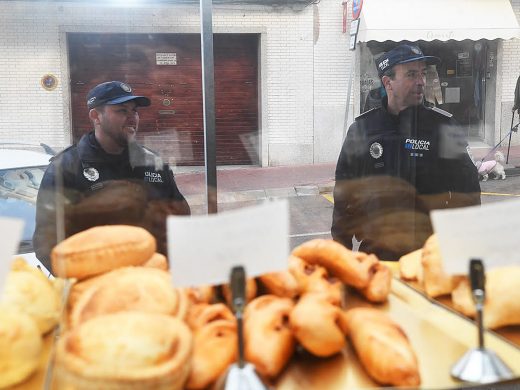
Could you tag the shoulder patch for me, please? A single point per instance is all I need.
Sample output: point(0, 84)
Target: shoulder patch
point(366, 113)
point(441, 111)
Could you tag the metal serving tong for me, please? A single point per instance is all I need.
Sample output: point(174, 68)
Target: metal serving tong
point(241, 375)
point(480, 365)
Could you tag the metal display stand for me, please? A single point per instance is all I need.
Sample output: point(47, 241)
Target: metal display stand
point(480, 365)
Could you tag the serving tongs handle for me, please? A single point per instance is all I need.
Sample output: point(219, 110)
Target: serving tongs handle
point(478, 280)
point(238, 294)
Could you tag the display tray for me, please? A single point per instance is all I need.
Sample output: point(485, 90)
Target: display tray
point(438, 335)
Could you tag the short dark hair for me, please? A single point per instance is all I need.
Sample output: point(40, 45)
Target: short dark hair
point(389, 72)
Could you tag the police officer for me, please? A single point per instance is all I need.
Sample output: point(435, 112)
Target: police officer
point(107, 178)
point(399, 162)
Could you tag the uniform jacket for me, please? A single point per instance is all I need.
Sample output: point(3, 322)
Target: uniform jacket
point(392, 171)
point(125, 184)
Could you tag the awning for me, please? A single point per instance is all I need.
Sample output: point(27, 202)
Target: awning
point(428, 20)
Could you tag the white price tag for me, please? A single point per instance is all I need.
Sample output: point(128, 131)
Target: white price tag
point(486, 232)
point(11, 233)
point(203, 249)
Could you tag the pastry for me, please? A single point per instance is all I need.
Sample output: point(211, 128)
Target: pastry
point(158, 261)
point(269, 342)
point(502, 304)
point(338, 260)
point(101, 249)
point(125, 350)
point(31, 291)
point(410, 267)
point(314, 278)
point(20, 346)
point(382, 347)
point(380, 283)
point(215, 348)
point(202, 314)
point(436, 281)
point(201, 294)
point(130, 288)
point(282, 284)
point(315, 323)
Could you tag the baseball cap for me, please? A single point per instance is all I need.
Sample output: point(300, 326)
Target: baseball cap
point(113, 92)
point(400, 55)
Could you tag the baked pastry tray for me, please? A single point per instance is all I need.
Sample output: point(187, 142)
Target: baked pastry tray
point(438, 335)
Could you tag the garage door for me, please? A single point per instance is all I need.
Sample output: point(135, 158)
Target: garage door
point(167, 68)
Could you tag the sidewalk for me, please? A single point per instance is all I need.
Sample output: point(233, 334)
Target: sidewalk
point(236, 184)
point(251, 183)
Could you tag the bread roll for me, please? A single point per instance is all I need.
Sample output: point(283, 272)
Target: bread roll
point(31, 291)
point(502, 305)
point(201, 294)
point(436, 281)
point(313, 278)
point(282, 284)
point(101, 249)
point(382, 347)
point(269, 342)
point(315, 323)
point(215, 348)
point(202, 314)
point(158, 261)
point(130, 288)
point(380, 284)
point(410, 267)
point(20, 346)
point(338, 260)
point(126, 350)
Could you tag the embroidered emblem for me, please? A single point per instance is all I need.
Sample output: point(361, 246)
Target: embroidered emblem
point(376, 150)
point(91, 174)
point(416, 50)
point(153, 177)
point(126, 87)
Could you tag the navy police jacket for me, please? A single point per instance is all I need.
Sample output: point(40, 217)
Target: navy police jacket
point(93, 187)
point(392, 171)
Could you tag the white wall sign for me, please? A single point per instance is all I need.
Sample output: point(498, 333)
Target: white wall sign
point(166, 58)
point(487, 232)
point(203, 249)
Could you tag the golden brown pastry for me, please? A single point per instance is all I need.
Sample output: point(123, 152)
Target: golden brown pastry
point(101, 249)
point(502, 305)
point(28, 289)
point(215, 348)
point(282, 284)
point(20, 345)
point(382, 347)
point(436, 281)
point(269, 342)
point(201, 294)
point(338, 260)
point(130, 288)
point(380, 283)
point(202, 314)
point(126, 350)
point(251, 290)
point(158, 261)
point(316, 324)
point(314, 278)
point(410, 267)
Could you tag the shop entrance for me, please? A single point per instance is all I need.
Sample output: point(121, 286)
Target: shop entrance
point(466, 82)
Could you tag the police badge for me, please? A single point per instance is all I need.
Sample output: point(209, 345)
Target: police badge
point(376, 150)
point(91, 174)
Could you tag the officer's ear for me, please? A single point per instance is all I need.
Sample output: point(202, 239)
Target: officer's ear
point(386, 82)
point(93, 114)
